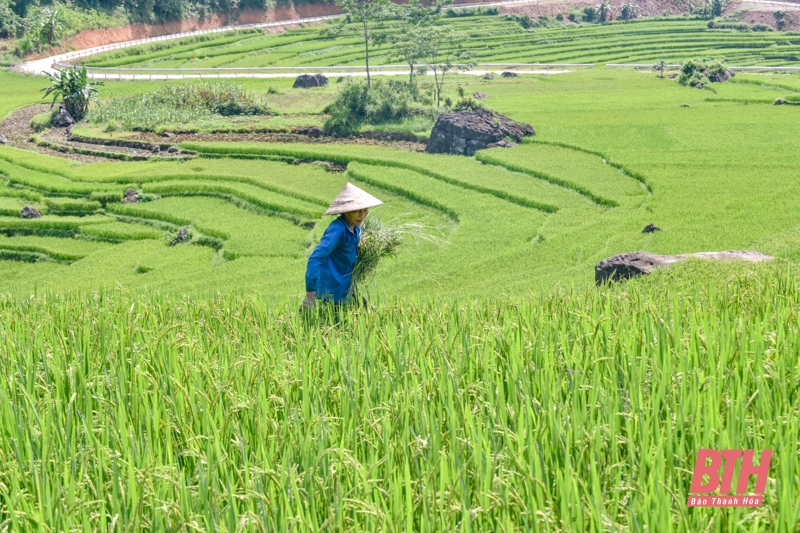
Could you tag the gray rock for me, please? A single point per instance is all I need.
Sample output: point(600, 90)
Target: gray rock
point(183, 236)
point(780, 101)
point(29, 212)
point(508, 74)
point(3, 139)
point(488, 76)
point(722, 76)
point(63, 118)
point(131, 196)
point(173, 150)
point(314, 131)
point(168, 135)
point(651, 228)
point(304, 81)
point(479, 96)
point(465, 132)
point(155, 149)
point(631, 264)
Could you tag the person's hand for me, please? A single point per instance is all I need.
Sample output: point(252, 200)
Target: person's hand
point(308, 303)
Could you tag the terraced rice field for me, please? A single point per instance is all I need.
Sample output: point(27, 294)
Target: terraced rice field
point(509, 220)
point(491, 38)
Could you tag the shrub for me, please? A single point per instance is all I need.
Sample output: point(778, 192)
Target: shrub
point(698, 71)
point(386, 101)
point(178, 104)
point(471, 12)
point(628, 11)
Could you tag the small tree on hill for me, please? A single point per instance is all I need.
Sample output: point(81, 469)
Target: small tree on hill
point(369, 14)
point(408, 41)
point(604, 11)
point(660, 67)
point(444, 52)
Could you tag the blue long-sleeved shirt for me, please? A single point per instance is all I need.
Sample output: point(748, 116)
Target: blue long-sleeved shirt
point(330, 267)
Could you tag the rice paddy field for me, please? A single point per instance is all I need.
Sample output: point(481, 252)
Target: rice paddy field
point(488, 386)
point(490, 38)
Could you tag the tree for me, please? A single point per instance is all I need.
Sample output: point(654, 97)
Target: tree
point(49, 25)
point(75, 90)
point(369, 14)
point(659, 67)
point(408, 41)
point(443, 52)
point(604, 11)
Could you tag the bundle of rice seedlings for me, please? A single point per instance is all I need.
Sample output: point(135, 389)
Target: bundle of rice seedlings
point(380, 240)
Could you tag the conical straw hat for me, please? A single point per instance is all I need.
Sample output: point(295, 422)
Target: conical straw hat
point(351, 199)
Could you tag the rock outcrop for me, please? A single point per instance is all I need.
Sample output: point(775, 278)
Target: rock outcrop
point(30, 212)
point(631, 264)
point(304, 81)
point(131, 197)
point(63, 119)
point(718, 77)
point(464, 132)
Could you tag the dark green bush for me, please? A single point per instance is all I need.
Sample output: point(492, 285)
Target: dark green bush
point(697, 71)
point(387, 101)
point(471, 12)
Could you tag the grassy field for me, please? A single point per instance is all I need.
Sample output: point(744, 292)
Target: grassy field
point(718, 174)
point(491, 38)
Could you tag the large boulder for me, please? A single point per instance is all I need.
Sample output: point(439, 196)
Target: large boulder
point(63, 118)
point(304, 81)
point(631, 264)
point(464, 132)
point(30, 212)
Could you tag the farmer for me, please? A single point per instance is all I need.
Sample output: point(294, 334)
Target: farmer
point(330, 267)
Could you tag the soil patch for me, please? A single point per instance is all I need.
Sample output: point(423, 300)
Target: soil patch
point(761, 14)
point(280, 138)
point(647, 8)
point(17, 129)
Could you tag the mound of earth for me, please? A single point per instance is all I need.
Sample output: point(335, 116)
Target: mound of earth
point(465, 132)
point(304, 81)
point(30, 212)
point(631, 264)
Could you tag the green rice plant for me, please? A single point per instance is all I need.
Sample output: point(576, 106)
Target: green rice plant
point(379, 241)
point(119, 231)
point(573, 410)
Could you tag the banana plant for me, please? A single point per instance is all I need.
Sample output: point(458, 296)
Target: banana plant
point(75, 90)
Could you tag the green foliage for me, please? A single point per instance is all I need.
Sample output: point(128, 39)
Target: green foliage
point(629, 11)
point(388, 101)
point(472, 12)
point(42, 121)
point(695, 72)
point(378, 242)
point(72, 85)
point(176, 385)
point(179, 104)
